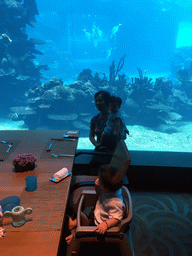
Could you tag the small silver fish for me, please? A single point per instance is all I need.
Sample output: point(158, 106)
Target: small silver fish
point(5, 36)
point(108, 53)
point(114, 30)
point(87, 34)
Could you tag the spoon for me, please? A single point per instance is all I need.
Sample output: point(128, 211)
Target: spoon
point(49, 148)
point(60, 155)
point(9, 146)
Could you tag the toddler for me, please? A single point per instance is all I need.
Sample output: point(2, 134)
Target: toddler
point(115, 128)
point(110, 208)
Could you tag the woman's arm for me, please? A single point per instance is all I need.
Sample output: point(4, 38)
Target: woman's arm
point(92, 138)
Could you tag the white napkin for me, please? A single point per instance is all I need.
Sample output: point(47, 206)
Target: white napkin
point(72, 133)
point(61, 174)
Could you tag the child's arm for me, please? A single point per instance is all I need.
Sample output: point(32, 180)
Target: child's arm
point(102, 227)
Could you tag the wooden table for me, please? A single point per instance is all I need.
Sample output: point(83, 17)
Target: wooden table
point(41, 233)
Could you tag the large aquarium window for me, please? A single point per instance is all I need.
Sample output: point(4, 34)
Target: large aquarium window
point(55, 55)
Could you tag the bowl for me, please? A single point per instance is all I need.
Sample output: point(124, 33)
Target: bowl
point(9, 203)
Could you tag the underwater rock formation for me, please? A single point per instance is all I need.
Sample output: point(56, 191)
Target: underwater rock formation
point(185, 77)
point(153, 104)
point(17, 69)
point(55, 104)
point(145, 103)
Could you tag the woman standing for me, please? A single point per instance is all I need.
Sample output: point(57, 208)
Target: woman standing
point(97, 125)
point(98, 122)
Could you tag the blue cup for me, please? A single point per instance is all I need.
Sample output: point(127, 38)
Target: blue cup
point(31, 182)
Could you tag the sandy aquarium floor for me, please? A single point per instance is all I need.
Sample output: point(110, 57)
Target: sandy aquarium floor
point(140, 138)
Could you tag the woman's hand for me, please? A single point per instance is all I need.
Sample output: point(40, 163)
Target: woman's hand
point(101, 228)
point(92, 138)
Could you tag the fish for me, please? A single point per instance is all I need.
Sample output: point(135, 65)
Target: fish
point(108, 53)
point(87, 34)
point(95, 42)
point(97, 34)
point(5, 36)
point(114, 30)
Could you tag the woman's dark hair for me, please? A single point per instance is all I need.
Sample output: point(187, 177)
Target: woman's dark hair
point(105, 95)
point(110, 177)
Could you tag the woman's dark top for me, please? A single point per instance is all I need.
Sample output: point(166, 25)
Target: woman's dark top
point(97, 125)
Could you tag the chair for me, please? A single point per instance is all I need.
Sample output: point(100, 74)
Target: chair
point(117, 236)
point(120, 158)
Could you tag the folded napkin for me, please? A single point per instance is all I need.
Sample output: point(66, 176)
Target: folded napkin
point(63, 173)
point(72, 134)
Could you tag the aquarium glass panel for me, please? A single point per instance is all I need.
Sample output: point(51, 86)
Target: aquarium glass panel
point(55, 55)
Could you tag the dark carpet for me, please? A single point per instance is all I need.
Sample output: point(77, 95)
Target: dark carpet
point(162, 224)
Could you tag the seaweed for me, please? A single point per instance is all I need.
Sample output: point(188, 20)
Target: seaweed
point(113, 72)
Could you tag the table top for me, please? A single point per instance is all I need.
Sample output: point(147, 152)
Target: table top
point(48, 201)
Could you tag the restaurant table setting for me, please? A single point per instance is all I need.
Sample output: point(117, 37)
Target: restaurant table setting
point(35, 207)
point(60, 147)
point(34, 195)
point(7, 147)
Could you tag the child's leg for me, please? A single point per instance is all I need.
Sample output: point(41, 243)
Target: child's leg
point(84, 220)
point(69, 238)
point(73, 224)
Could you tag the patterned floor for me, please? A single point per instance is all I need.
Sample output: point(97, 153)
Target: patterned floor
point(162, 224)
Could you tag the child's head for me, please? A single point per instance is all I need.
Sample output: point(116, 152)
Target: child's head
point(115, 104)
point(110, 177)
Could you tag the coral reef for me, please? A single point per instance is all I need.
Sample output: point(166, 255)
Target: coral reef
point(17, 69)
point(145, 102)
point(55, 104)
point(185, 77)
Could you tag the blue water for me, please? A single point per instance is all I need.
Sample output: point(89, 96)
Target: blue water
point(148, 34)
point(81, 35)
